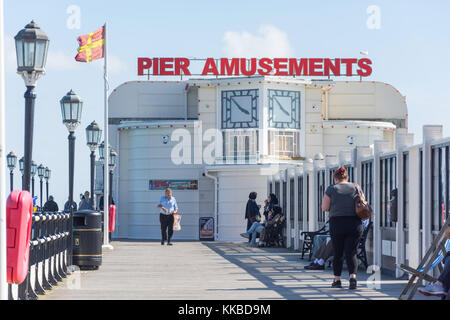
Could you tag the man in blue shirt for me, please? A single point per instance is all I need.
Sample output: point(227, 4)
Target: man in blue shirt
point(167, 206)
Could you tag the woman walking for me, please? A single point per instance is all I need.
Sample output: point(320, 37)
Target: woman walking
point(346, 227)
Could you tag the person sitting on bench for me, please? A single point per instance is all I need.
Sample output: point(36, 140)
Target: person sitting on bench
point(259, 227)
point(442, 286)
point(321, 256)
point(325, 252)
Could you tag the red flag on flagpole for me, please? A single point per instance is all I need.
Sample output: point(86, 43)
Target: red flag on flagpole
point(92, 46)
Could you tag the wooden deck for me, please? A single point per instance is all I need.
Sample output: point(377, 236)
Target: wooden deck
point(210, 271)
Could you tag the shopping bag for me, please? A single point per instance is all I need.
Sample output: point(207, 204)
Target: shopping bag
point(176, 222)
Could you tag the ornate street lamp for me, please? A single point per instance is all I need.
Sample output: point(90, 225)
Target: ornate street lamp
point(93, 137)
point(22, 167)
point(33, 174)
point(112, 166)
point(101, 151)
point(31, 51)
point(41, 174)
point(47, 176)
point(11, 160)
point(71, 108)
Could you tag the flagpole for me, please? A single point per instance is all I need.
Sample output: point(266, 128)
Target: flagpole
point(106, 190)
point(3, 283)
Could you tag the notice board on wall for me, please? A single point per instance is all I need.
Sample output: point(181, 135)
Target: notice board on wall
point(156, 185)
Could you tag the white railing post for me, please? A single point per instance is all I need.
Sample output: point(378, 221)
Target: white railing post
point(413, 251)
point(361, 153)
point(330, 162)
point(403, 141)
point(430, 133)
point(380, 147)
point(297, 174)
point(3, 229)
point(318, 164)
point(288, 208)
point(307, 193)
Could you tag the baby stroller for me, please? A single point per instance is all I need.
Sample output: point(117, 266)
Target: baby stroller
point(274, 232)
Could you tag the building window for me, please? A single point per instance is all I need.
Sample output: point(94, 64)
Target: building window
point(240, 109)
point(240, 144)
point(284, 109)
point(284, 144)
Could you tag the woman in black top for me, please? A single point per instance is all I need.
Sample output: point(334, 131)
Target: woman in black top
point(346, 228)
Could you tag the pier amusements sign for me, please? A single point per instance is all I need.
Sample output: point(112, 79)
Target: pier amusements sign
point(309, 67)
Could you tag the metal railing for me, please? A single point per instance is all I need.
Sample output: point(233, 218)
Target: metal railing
point(48, 255)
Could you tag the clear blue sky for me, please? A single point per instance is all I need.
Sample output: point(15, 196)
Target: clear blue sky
point(409, 51)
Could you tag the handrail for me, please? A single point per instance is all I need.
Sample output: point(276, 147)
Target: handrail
point(48, 254)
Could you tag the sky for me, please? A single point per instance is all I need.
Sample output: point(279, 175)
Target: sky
point(408, 42)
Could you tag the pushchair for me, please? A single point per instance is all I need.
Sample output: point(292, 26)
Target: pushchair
point(273, 236)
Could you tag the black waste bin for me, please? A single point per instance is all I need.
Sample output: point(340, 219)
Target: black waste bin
point(87, 239)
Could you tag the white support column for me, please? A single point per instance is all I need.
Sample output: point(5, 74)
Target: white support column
point(288, 209)
point(403, 141)
point(3, 277)
point(430, 133)
point(296, 209)
point(345, 157)
point(319, 164)
point(380, 147)
point(330, 162)
point(281, 175)
point(413, 253)
point(361, 153)
point(312, 225)
point(307, 169)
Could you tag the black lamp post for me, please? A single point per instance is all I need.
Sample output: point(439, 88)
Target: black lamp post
point(33, 174)
point(31, 51)
point(71, 108)
point(11, 160)
point(41, 175)
point(112, 166)
point(93, 136)
point(47, 176)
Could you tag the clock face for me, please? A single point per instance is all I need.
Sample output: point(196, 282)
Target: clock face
point(240, 109)
point(284, 109)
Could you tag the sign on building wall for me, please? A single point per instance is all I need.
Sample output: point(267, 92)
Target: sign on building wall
point(173, 184)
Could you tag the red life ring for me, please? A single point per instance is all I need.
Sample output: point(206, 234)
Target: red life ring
point(19, 218)
point(112, 218)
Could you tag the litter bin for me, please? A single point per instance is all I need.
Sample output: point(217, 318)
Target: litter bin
point(87, 239)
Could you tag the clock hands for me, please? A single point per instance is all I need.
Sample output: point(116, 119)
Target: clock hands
point(243, 110)
point(281, 107)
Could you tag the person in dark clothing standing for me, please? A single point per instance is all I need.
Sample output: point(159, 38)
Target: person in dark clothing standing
point(252, 211)
point(101, 203)
point(67, 206)
point(51, 205)
point(346, 227)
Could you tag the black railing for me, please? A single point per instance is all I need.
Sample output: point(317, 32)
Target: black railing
point(48, 255)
